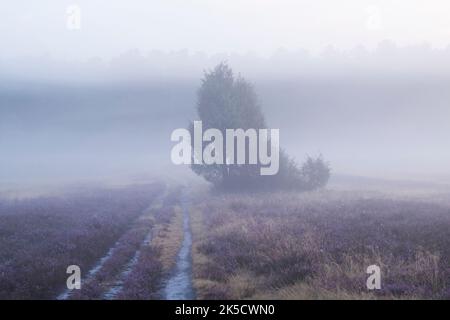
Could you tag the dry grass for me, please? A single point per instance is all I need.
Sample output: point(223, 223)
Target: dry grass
point(169, 238)
point(319, 245)
point(199, 260)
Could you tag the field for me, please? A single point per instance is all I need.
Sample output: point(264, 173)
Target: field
point(41, 236)
point(319, 245)
point(134, 242)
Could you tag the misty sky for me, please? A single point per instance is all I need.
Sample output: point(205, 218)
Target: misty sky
point(111, 27)
point(366, 83)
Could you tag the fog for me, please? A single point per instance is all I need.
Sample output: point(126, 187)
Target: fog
point(73, 107)
point(110, 27)
point(384, 122)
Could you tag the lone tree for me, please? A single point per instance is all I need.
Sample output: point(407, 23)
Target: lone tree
point(228, 102)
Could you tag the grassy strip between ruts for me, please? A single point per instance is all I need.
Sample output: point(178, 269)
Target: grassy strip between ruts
point(158, 256)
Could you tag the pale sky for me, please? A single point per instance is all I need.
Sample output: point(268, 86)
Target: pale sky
point(111, 27)
point(380, 114)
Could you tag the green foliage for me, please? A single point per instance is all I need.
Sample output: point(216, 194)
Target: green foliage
point(228, 102)
point(315, 173)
